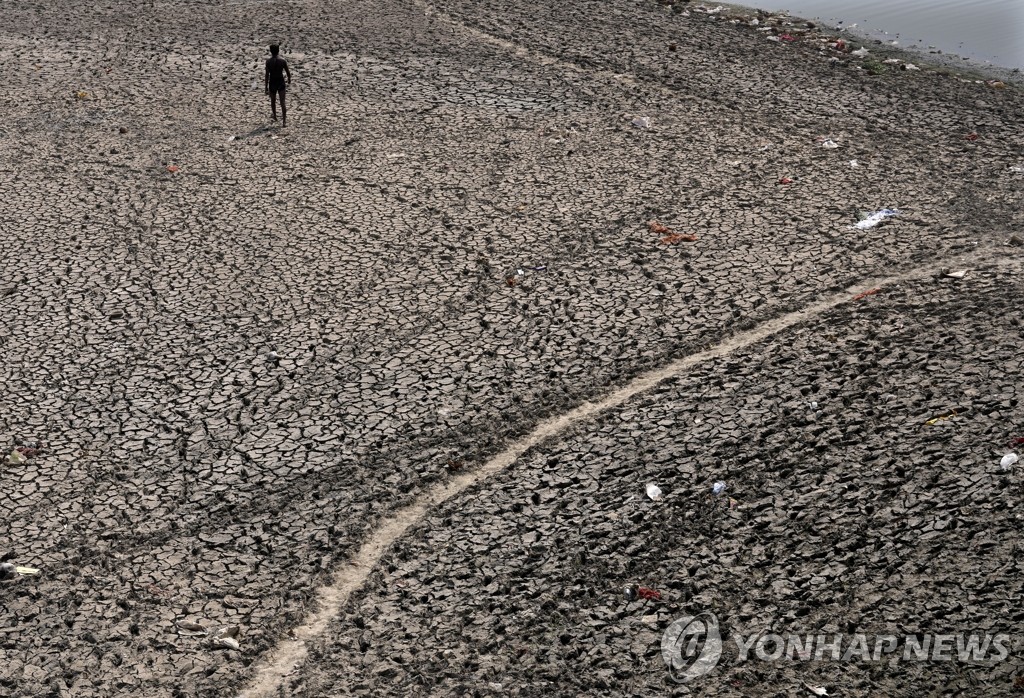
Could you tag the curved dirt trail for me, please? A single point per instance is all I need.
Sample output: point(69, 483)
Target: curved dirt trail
point(281, 662)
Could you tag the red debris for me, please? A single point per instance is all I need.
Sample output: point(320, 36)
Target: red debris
point(971, 137)
point(785, 180)
point(1018, 441)
point(172, 168)
point(866, 294)
point(787, 37)
point(658, 229)
point(679, 237)
point(648, 594)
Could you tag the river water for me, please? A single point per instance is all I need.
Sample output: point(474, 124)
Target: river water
point(990, 31)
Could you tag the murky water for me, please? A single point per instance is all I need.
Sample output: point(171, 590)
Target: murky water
point(985, 30)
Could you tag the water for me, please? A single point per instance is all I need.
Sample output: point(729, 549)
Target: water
point(991, 31)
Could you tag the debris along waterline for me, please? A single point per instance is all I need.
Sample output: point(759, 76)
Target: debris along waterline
point(270, 673)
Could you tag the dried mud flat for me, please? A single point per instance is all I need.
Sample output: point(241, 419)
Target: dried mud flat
point(375, 246)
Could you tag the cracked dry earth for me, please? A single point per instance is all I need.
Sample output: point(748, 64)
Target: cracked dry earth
point(161, 239)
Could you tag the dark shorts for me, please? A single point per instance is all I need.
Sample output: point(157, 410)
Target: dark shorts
point(277, 88)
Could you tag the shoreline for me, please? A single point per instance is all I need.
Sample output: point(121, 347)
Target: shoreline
point(943, 62)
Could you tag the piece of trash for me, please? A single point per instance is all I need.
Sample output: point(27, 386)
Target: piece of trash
point(653, 491)
point(787, 37)
point(629, 591)
point(910, 66)
point(81, 94)
point(875, 218)
point(16, 458)
point(191, 628)
point(941, 418)
point(972, 136)
point(672, 47)
point(7, 570)
point(273, 356)
point(854, 163)
point(172, 168)
point(511, 280)
point(957, 274)
point(865, 294)
point(675, 238)
point(860, 53)
point(648, 594)
point(733, 503)
point(772, 37)
point(816, 690)
point(718, 488)
point(785, 180)
point(26, 571)
point(1008, 460)
point(225, 643)
point(996, 84)
point(829, 144)
point(641, 122)
point(814, 405)
point(232, 138)
point(840, 45)
point(658, 229)
point(539, 268)
point(1017, 442)
point(1017, 168)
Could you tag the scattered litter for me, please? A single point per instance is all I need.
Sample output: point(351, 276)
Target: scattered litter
point(672, 47)
point(225, 637)
point(228, 643)
point(941, 418)
point(648, 594)
point(679, 237)
point(772, 37)
point(972, 136)
point(996, 84)
point(787, 37)
point(511, 280)
point(1008, 460)
point(1018, 441)
point(865, 294)
point(829, 144)
point(814, 405)
point(875, 218)
point(860, 53)
point(854, 163)
point(9, 571)
point(187, 627)
point(542, 267)
point(1017, 168)
point(16, 458)
point(273, 356)
point(840, 45)
point(629, 591)
point(172, 168)
point(910, 66)
point(232, 138)
point(641, 122)
point(816, 690)
point(81, 95)
point(658, 229)
point(653, 491)
point(718, 488)
point(957, 274)
point(785, 180)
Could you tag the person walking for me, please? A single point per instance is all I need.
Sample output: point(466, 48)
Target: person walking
point(274, 82)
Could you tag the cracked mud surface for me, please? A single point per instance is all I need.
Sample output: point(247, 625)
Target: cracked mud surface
point(848, 510)
point(430, 155)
